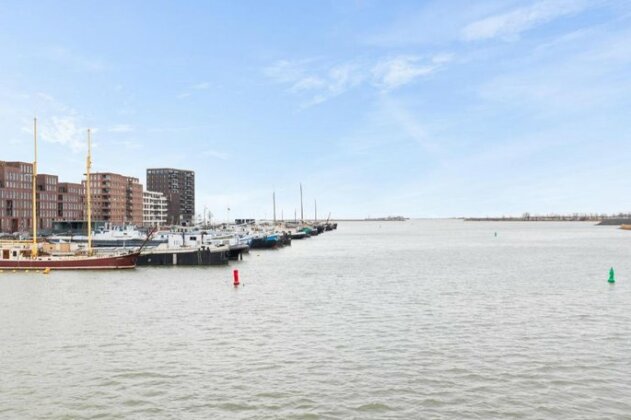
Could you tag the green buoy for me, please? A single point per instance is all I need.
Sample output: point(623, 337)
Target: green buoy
point(612, 276)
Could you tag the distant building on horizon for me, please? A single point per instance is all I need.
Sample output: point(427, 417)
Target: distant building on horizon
point(155, 209)
point(178, 186)
point(116, 199)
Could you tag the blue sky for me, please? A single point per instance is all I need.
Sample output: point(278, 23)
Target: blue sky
point(417, 108)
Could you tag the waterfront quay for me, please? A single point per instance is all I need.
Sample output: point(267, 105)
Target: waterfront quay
point(177, 246)
point(108, 221)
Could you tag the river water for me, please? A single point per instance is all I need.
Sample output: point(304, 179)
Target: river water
point(417, 319)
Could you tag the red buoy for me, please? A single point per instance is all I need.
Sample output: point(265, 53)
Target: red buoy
point(235, 275)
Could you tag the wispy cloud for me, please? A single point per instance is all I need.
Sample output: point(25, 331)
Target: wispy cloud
point(64, 130)
point(289, 71)
point(201, 86)
point(323, 82)
point(395, 72)
point(512, 23)
point(320, 81)
point(57, 122)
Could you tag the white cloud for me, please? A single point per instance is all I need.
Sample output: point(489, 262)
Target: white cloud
point(395, 72)
point(65, 130)
point(287, 71)
point(320, 81)
point(323, 82)
point(308, 83)
point(201, 86)
point(519, 20)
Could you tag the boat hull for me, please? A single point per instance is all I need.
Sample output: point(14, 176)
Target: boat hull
point(201, 257)
point(264, 243)
point(72, 263)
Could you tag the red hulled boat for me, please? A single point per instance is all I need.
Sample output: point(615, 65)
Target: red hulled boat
point(19, 258)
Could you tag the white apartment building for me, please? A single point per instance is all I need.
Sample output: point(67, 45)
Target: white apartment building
point(155, 209)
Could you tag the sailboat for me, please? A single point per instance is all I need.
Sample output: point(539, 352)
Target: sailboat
point(34, 255)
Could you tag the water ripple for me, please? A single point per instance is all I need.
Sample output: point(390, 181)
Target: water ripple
point(426, 319)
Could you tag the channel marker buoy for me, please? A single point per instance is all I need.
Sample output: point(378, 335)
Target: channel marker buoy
point(612, 276)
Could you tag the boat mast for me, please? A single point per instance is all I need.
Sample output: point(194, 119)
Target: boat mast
point(274, 200)
point(302, 215)
point(88, 166)
point(34, 247)
point(315, 203)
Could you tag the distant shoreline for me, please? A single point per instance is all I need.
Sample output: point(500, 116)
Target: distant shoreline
point(376, 219)
point(600, 220)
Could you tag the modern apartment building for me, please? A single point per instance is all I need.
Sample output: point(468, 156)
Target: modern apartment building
point(178, 186)
point(116, 199)
point(55, 201)
point(47, 200)
point(70, 201)
point(16, 196)
point(155, 209)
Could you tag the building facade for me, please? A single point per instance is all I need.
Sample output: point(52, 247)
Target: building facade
point(46, 193)
point(70, 202)
point(116, 199)
point(155, 209)
point(178, 186)
point(16, 196)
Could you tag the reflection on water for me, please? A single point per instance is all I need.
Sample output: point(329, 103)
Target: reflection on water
point(434, 319)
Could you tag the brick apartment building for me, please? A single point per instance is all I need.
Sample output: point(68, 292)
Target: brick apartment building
point(55, 201)
point(16, 196)
point(46, 193)
point(116, 199)
point(70, 201)
point(178, 186)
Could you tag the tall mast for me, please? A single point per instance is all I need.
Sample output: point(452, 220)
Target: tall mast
point(274, 200)
point(315, 203)
point(88, 166)
point(302, 215)
point(34, 179)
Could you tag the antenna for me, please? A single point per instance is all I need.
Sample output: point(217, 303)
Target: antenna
point(302, 215)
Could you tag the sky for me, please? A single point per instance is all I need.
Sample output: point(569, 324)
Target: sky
point(414, 108)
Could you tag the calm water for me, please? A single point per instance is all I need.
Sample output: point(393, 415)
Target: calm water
point(423, 319)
